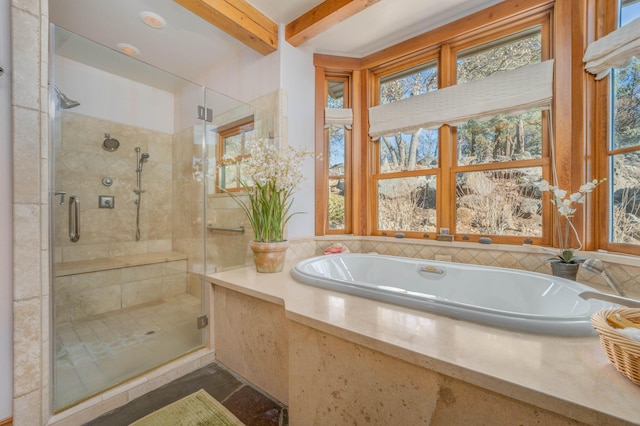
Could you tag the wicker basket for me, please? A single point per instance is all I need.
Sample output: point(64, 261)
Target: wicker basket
point(622, 351)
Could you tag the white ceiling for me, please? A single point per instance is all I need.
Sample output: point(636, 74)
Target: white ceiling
point(189, 46)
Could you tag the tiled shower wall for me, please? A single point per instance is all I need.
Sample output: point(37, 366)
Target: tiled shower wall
point(30, 158)
point(82, 164)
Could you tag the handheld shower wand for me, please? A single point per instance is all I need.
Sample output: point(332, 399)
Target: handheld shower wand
point(140, 161)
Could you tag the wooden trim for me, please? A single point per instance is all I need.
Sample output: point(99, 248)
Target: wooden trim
point(336, 63)
point(238, 19)
point(504, 12)
point(322, 17)
point(624, 150)
point(445, 181)
point(7, 422)
point(358, 155)
point(321, 186)
point(602, 19)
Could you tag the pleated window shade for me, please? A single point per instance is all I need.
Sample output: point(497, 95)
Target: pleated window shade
point(510, 92)
point(615, 50)
point(338, 117)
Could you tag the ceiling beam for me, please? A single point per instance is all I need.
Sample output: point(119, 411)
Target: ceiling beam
point(238, 19)
point(322, 17)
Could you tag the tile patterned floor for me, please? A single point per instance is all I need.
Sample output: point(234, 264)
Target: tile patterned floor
point(96, 353)
point(246, 402)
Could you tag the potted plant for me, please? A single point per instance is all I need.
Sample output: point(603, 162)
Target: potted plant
point(269, 178)
point(565, 264)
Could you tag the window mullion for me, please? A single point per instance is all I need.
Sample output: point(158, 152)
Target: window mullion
point(445, 206)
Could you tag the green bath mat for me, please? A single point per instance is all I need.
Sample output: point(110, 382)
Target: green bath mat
point(199, 409)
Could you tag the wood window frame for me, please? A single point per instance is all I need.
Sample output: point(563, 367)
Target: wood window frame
point(345, 79)
point(602, 18)
point(228, 130)
point(445, 55)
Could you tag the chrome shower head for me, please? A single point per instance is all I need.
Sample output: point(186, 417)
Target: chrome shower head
point(65, 102)
point(110, 144)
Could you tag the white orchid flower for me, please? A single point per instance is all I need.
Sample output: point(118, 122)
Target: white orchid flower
point(559, 193)
point(543, 185)
point(588, 187)
point(577, 197)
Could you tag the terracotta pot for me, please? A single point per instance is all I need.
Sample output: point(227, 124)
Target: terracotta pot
point(565, 270)
point(269, 257)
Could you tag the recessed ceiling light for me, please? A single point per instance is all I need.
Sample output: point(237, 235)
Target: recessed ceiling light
point(153, 20)
point(128, 49)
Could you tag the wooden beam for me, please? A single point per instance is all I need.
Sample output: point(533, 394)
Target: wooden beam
point(322, 17)
point(238, 19)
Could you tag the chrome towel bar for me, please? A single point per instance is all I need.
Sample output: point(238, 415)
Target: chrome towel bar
point(239, 229)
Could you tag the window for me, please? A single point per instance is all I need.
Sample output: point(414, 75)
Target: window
point(233, 141)
point(337, 173)
point(407, 167)
point(483, 171)
point(477, 178)
point(499, 160)
point(623, 151)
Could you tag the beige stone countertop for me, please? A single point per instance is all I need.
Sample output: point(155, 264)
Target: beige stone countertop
point(568, 375)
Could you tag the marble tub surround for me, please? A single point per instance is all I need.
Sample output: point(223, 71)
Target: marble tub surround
point(259, 352)
point(353, 383)
point(567, 377)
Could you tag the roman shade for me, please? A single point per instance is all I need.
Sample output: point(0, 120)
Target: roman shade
point(510, 92)
point(615, 50)
point(338, 117)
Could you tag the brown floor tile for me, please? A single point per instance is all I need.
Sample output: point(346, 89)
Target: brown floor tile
point(254, 408)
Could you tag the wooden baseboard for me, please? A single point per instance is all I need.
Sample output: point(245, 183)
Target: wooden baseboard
point(7, 422)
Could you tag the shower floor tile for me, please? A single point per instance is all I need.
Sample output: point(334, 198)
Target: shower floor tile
point(96, 353)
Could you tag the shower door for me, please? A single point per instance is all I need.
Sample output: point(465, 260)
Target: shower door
point(128, 217)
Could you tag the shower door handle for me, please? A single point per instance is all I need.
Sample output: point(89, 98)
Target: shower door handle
point(74, 218)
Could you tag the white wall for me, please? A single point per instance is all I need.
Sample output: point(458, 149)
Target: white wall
point(111, 97)
point(6, 293)
point(246, 76)
point(297, 78)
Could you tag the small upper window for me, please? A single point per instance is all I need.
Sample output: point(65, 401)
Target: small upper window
point(233, 141)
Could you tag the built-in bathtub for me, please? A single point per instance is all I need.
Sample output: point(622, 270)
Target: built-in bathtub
point(500, 297)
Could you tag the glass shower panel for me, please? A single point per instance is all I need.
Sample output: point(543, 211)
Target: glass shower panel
point(127, 226)
point(229, 134)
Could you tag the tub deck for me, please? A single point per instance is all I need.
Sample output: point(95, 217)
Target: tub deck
point(571, 377)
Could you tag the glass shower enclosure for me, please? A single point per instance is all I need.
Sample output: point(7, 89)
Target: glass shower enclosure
point(132, 167)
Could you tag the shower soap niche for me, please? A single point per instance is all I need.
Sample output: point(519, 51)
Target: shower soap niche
point(106, 201)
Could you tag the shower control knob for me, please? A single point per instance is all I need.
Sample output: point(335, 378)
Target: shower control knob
point(107, 181)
